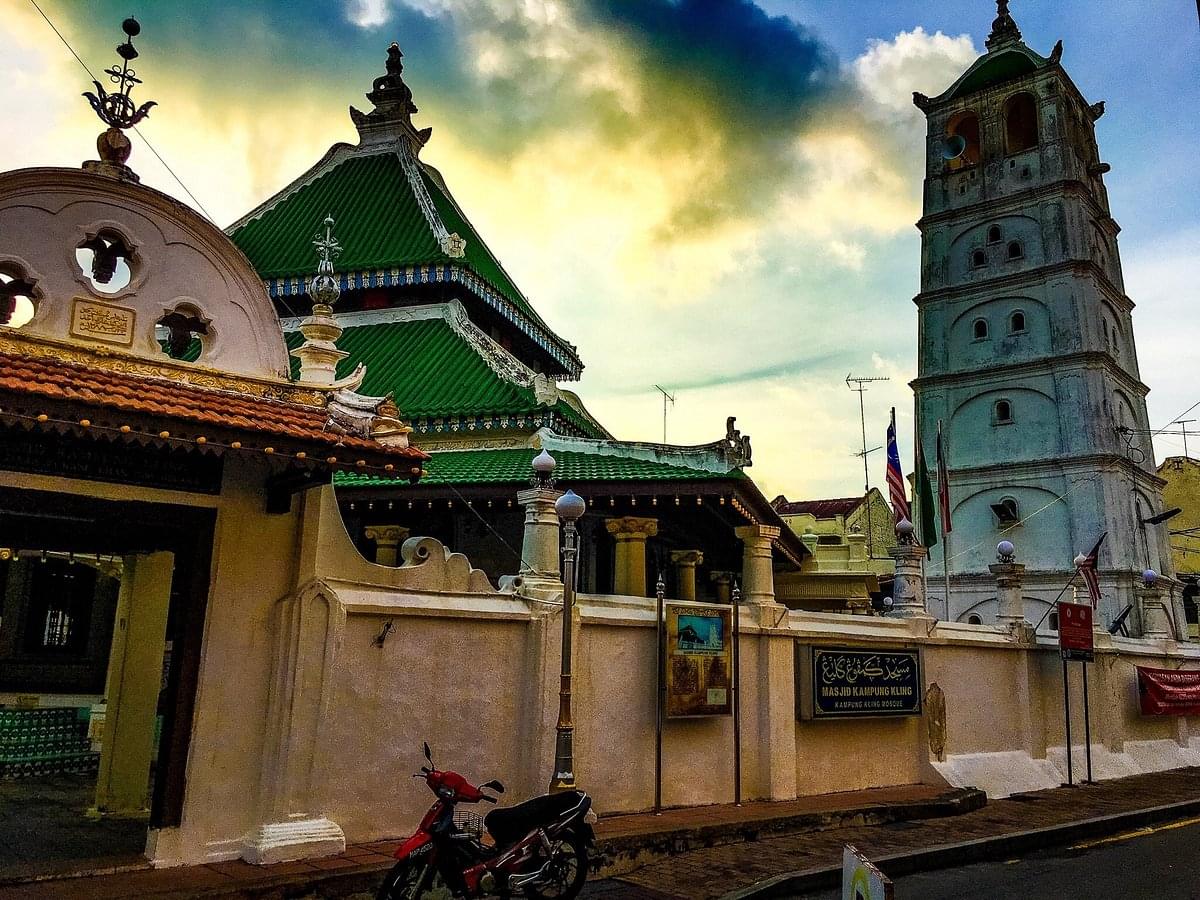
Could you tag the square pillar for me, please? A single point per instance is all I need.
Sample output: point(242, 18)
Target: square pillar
point(758, 570)
point(134, 678)
point(909, 586)
point(1010, 577)
point(388, 539)
point(540, 567)
point(630, 533)
point(685, 571)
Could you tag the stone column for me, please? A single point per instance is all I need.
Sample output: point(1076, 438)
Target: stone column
point(630, 533)
point(908, 592)
point(1010, 575)
point(723, 584)
point(134, 678)
point(539, 548)
point(758, 570)
point(858, 550)
point(1155, 623)
point(388, 539)
point(685, 571)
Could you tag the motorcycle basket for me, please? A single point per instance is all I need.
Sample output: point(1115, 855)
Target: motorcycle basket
point(469, 823)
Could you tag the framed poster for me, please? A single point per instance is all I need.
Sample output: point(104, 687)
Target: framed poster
point(699, 660)
point(857, 682)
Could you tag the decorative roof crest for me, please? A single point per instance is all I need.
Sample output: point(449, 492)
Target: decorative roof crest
point(1004, 28)
point(394, 108)
point(117, 110)
point(324, 287)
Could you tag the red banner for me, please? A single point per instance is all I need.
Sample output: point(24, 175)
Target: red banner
point(1168, 692)
point(1075, 630)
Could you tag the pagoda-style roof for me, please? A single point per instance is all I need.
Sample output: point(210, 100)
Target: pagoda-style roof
point(448, 377)
point(399, 226)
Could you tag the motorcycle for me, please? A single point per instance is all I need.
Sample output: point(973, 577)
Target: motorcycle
point(540, 848)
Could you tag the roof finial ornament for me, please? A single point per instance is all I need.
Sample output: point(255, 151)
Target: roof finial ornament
point(319, 355)
point(117, 110)
point(394, 107)
point(1004, 28)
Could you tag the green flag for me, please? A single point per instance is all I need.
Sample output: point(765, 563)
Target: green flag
point(925, 500)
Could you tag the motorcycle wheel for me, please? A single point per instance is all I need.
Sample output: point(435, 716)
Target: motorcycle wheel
point(568, 873)
point(407, 880)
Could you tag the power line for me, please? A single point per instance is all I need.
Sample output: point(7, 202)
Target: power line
point(136, 130)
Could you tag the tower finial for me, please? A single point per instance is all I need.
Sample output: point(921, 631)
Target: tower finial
point(319, 354)
point(117, 110)
point(394, 107)
point(1004, 28)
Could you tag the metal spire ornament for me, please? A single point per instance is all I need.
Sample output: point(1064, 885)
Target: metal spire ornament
point(324, 288)
point(117, 109)
point(319, 355)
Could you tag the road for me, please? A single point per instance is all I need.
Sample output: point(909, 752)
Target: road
point(1149, 863)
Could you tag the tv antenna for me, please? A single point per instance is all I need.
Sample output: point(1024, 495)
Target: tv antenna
point(858, 385)
point(1184, 423)
point(667, 398)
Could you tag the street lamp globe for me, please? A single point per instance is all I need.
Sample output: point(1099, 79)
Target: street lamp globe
point(543, 464)
point(905, 528)
point(570, 506)
point(1080, 560)
point(1005, 549)
point(1149, 578)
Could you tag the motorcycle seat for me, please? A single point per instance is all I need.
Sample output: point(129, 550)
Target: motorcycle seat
point(511, 823)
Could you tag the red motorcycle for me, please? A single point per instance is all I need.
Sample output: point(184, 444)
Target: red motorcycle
point(540, 846)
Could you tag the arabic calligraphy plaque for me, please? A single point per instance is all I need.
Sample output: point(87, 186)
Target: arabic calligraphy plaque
point(845, 682)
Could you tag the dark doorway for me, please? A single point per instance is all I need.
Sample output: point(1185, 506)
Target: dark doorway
point(61, 578)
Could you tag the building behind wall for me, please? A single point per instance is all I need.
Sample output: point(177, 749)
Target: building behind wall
point(1026, 350)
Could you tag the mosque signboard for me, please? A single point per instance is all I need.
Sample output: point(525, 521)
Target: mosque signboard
point(699, 660)
point(857, 682)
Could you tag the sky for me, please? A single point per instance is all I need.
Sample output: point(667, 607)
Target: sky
point(715, 196)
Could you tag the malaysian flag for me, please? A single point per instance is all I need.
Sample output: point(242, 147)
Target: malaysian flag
point(895, 475)
point(943, 477)
point(1087, 568)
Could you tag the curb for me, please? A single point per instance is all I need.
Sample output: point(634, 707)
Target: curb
point(944, 856)
point(618, 856)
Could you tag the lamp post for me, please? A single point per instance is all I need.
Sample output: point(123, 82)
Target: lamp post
point(570, 506)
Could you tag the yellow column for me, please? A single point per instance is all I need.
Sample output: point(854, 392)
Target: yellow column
point(685, 571)
point(630, 533)
point(134, 679)
point(723, 584)
point(388, 539)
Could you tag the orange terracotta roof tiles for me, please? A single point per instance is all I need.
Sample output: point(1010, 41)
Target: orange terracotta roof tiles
point(137, 395)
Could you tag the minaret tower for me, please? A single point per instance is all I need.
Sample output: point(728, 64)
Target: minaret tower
point(1026, 338)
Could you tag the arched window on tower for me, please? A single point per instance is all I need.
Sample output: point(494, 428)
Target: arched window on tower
point(1020, 122)
point(994, 235)
point(1015, 250)
point(964, 125)
point(980, 329)
point(1002, 413)
point(973, 619)
point(978, 259)
point(1007, 513)
point(1016, 322)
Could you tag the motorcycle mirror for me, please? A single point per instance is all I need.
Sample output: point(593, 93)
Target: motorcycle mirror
point(428, 755)
point(495, 786)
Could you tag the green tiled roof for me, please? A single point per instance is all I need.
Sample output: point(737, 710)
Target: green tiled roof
point(379, 223)
point(434, 374)
point(511, 466)
point(996, 68)
point(380, 226)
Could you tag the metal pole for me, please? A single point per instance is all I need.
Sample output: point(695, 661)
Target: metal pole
point(1087, 725)
point(564, 745)
point(1067, 707)
point(736, 599)
point(659, 691)
point(946, 571)
point(862, 414)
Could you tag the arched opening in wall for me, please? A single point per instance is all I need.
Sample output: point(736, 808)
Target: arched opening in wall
point(974, 619)
point(1020, 123)
point(1007, 512)
point(1052, 621)
point(964, 125)
point(106, 260)
point(1015, 250)
point(1191, 594)
point(1016, 322)
point(980, 329)
point(978, 259)
point(994, 236)
point(17, 298)
point(1002, 412)
point(181, 333)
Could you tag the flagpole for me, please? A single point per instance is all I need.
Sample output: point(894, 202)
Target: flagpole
point(945, 533)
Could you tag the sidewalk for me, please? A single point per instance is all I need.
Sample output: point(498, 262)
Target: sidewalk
point(624, 843)
point(999, 830)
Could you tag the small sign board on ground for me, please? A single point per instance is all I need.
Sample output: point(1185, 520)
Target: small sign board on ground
point(1075, 631)
point(860, 879)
